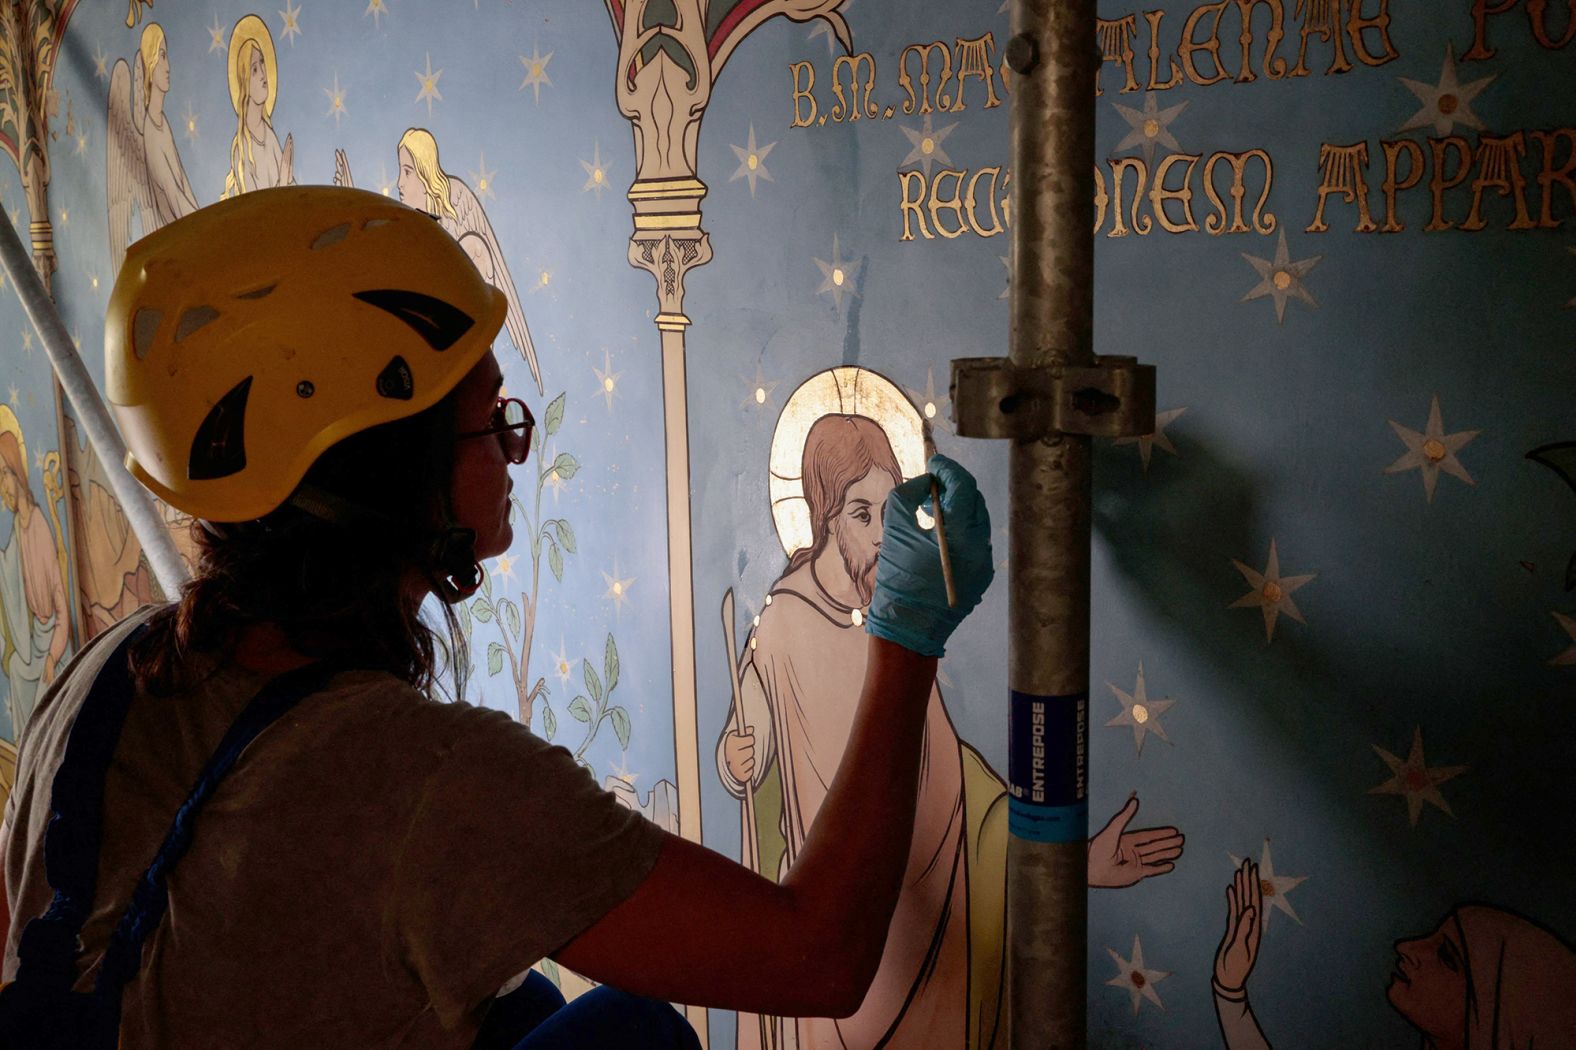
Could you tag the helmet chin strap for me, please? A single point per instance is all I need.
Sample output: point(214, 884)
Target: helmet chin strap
point(449, 552)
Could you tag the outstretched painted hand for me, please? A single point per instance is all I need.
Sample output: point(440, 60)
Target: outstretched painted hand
point(1239, 947)
point(1118, 857)
point(909, 605)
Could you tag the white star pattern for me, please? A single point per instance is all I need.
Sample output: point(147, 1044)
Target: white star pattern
point(1281, 278)
point(189, 122)
point(1273, 887)
point(1134, 978)
point(216, 37)
point(1271, 592)
point(1447, 103)
point(1432, 451)
point(377, 9)
point(1147, 443)
point(836, 277)
point(758, 390)
point(1568, 657)
point(925, 142)
point(292, 22)
point(607, 379)
point(336, 100)
point(484, 178)
point(596, 171)
point(617, 587)
point(1414, 780)
point(563, 666)
point(1149, 126)
point(536, 73)
point(752, 161)
point(429, 85)
point(1140, 712)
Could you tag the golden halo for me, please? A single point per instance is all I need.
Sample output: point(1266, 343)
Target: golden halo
point(251, 29)
point(9, 424)
point(845, 390)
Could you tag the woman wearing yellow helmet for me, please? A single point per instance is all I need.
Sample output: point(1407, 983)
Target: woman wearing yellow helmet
point(359, 866)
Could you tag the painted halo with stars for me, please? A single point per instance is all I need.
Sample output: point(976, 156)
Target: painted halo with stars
point(845, 390)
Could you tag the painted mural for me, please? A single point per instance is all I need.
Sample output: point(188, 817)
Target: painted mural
point(739, 251)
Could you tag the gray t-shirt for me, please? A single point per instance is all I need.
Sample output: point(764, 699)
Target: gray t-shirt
point(374, 867)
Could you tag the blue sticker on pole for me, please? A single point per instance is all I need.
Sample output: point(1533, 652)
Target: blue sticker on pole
point(1048, 767)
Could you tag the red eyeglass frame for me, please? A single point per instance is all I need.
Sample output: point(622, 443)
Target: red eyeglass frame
point(524, 428)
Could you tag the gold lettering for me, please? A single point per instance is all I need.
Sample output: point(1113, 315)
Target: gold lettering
point(1321, 17)
point(1116, 45)
point(1190, 43)
point(1263, 221)
point(1392, 185)
point(1440, 182)
point(1549, 140)
point(1537, 12)
point(803, 93)
point(1341, 169)
point(1153, 18)
point(1380, 23)
point(974, 61)
point(1481, 9)
point(995, 226)
point(1274, 65)
point(1102, 199)
point(924, 51)
point(938, 204)
point(909, 204)
point(1141, 223)
point(845, 109)
point(1160, 196)
point(1499, 168)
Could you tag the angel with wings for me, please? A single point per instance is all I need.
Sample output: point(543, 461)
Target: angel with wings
point(424, 184)
point(144, 173)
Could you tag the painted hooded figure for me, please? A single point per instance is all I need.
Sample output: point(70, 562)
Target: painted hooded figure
point(1518, 980)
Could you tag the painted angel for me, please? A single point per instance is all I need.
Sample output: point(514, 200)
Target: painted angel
point(424, 184)
point(144, 170)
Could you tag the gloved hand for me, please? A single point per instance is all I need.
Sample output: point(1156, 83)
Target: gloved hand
point(909, 605)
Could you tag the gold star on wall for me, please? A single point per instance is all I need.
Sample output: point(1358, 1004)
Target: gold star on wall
point(100, 63)
point(536, 73)
point(836, 276)
point(1147, 443)
point(429, 85)
point(385, 182)
point(189, 122)
point(377, 9)
point(1134, 978)
point(1140, 712)
point(757, 390)
point(926, 141)
point(562, 664)
point(596, 172)
point(27, 340)
point(1446, 103)
point(607, 379)
point(484, 178)
point(544, 279)
point(16, 397)
point(1273, 887)
point(752, 161)
point(504, 568)
point(216, 37)
point(292, 22)
point(336, 100)
point(1415, 780)
point(1432, 451)
point(1271, 592)
point(1280, 278)
point(82, 143)
point(933, 406)
point(1149, 126)
point(1568, 657)
point(617, 587)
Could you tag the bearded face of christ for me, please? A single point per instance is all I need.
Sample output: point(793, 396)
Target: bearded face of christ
point(856, 529)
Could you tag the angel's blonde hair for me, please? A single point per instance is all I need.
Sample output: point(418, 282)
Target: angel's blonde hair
point(148, 49)
point(241, 145)
point(423, 150)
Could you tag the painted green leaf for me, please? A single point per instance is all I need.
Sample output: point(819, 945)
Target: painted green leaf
point(549, 722)
point(494, 658)
point(593, 683)
point(555, 561)
point(555, 415)
point(465, 620)
point(511, 615)
point(566, 466)
point(610, 664)
point(550, 970)
point(580, 709)
point(621, 726)
point(482, 609)
point(536, 441)
point(486, 584)
point(566, 535)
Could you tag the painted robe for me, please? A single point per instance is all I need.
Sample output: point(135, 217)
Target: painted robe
point(29, 580)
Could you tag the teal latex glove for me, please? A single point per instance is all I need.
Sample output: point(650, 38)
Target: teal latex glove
point(909, 605)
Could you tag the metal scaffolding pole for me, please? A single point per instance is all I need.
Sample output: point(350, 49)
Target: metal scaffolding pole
point(91, 413)
point(1050, 397)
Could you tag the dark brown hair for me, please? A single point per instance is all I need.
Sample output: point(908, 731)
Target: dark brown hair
point(335, 592)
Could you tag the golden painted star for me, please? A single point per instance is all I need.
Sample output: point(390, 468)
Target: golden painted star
point(484, 178)
point(1273, 887)
point(216, 37)
point(623, 773)
point(543, 279)
point(38, 458)
point(336, 100)
point(93, 279)
point(82, 143)
point(1149, 126)
point(836, 276)
point(563, 665)
point(752, 161)
point(1432, 451)
point(385, 183)
point(1271, 592)
point(536, 73)
point(429, 85)
point(189, 122)
point(926, 141)
point(1140, 712)
point(1568, 657)
point(1281, 278)
point(1414, 780)
point(292, 22)
point(1447, 103)
point(596, 171)
point(555, 480)
point(758, 390)
point(27, 340)
point(932, 406)
point(607, 379)
point(505, 568)
point(1134, 978)
point(1147, 443)
point(377, 9)
point(65, 217)
point(617, 588)
point(101, 62)
point(16, 397)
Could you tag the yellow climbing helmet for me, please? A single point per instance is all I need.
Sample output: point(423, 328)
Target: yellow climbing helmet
point(245, 339)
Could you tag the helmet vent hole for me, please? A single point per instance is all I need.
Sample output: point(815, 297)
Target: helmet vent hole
point(219, 449)
point(439, 323)
point(144, 326)
point(258, 293)
point(372, 224)
point(193, 319)
point(331, 236)
point(395, 381)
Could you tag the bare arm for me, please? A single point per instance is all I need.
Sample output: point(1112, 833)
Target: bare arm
point(816, 939)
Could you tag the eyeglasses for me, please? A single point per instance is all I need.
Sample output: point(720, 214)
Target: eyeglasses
point(512, 423)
